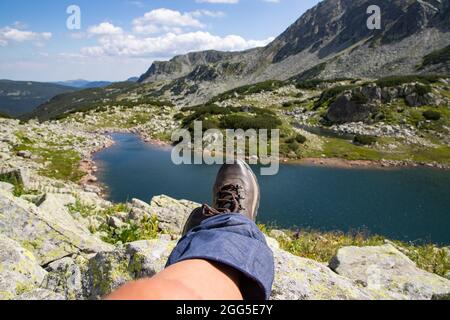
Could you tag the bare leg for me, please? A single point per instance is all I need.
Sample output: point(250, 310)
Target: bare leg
point(187, 280)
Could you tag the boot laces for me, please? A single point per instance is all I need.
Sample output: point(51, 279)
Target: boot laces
point(228, 201)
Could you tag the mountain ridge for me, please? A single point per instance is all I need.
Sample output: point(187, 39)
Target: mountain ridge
point(333, 33)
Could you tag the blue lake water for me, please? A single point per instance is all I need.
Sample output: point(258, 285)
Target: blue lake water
point(403, 204)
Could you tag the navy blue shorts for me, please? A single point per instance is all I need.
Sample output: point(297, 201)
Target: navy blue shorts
point(235, 241)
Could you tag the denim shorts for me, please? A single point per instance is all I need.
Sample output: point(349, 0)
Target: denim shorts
point(235, 241)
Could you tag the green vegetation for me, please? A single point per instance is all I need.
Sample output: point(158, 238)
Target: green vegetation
point(428, 257)
point(323, 246)
point(268, 86)
point(311, 73)
point(364, 140)
point(83, 209)
point(359, 98)
point(314, 83)
point(432, 115)
point(394, 81)
point(339, 148)
point(147, 229)
point(215, 117)
point(15, 181)
point(436, 57)
point(61, 161)
point(329, 95)
point(245, 122)
point(422, 90)
point(4, 115)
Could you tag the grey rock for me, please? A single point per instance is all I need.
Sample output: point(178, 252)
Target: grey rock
point(65, 277)
point(19, 269)
point(40, 295)
point(51, 235)
point(303, 279)
point(172, 214)
point(109, 270)
point(388, 272)
point(7, 187)
point(24, 154)
point(345, 110)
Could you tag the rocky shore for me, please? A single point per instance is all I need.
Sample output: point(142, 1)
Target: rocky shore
point(61, 240)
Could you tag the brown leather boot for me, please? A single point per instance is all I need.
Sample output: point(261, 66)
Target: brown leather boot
point(236, 191)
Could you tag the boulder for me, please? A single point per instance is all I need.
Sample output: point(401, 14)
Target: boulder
point(7, 187)
point(65, 277)
point(389, 273)
point(24, 154)
point(298, 278)
point(50, 234)
point(40, 295)
point(172, 214)
point(344, 110)
point(109, 270)
point(19, 270)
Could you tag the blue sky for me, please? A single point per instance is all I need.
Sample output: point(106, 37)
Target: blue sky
point(121, 38)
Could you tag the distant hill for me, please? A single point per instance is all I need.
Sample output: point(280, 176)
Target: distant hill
point(133, 79)
point(84, 84)
point(20, 97)
point(80, 100)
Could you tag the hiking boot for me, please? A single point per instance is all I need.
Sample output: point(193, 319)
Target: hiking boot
point(236, 191)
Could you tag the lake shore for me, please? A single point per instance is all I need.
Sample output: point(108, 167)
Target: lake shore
point(339, 163)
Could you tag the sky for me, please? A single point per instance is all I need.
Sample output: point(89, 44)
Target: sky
point(113, 40)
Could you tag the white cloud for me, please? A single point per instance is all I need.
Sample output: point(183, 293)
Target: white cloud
point(165, 20)
point(207, 13)
point(9, 34)
point(105, 28)
point(163, 33)
point(169, 44)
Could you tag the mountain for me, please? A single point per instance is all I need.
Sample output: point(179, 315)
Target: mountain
point(19, 97)
point(133, 79)
point(84, 84)
point(331, 40)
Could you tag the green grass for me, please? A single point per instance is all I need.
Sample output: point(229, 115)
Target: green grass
point(147, 229)
point(18, 185)
point(436, 57)
point(267, 86)
point(339, 148)
point(83, 209)
point(61, 163)
point(343, 149)
point(323, 246)
point(428, 257)
point(394, 81)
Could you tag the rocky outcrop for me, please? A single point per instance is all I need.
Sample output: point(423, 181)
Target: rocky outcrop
point(47, 254)
point(362, 104)
point(50, 233)
point(164, 207)
point(388, 272)
point(19, 269)
point(344, 110)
